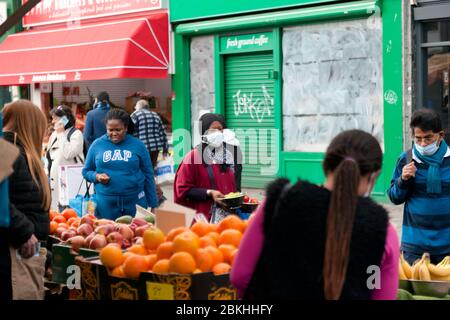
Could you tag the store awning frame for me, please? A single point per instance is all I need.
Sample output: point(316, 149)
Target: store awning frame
point(126, 48)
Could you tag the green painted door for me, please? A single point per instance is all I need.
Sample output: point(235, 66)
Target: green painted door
point(249, 110)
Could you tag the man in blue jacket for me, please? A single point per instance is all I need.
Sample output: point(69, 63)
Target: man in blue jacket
point(421, 180)
point(95, 119)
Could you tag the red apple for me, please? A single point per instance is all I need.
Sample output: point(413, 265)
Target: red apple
point(105, 229)
point(101, 222)
point(76, 243)
point(115, 237)
point(66, 235)
point(125, 231)
point(88, 239)
point(126, 243)
point(89, 218)
point(139, 232)
point(246, 199)
point(139, 222)
point(85, 229)
point(59, 231)
point(98, 242)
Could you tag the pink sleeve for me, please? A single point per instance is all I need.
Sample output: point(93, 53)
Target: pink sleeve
point(389, 267)
point(249, 252)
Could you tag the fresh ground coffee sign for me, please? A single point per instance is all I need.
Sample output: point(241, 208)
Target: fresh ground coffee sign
point(254, 41)
point(56, 11)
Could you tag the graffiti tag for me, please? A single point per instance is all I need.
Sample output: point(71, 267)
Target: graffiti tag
point(258, 109)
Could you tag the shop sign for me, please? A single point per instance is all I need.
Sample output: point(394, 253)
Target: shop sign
point(50, 77)
point(255, 41)
point(56, 11)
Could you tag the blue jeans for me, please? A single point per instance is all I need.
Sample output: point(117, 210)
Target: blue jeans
point(113, 207)
point(412, 257)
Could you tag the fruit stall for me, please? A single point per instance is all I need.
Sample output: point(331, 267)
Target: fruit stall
point(132, 259)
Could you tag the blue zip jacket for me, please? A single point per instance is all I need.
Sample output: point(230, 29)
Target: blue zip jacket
point(95, 125)
point(127, 164)
point(426, 217)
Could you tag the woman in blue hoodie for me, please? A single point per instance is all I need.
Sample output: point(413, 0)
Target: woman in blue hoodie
point(120, 167)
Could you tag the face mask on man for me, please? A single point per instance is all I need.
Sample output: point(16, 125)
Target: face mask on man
point(214, 139)
point(428, 150)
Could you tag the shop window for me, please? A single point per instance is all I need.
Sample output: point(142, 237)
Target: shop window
point(434, 73)
point(332, 81)
point(202, 81)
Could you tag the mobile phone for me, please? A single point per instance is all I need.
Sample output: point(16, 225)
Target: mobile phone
point(64, 120)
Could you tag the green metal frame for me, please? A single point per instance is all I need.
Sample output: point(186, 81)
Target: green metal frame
point(311, 162)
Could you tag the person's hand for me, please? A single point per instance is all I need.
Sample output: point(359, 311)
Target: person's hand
point(217, 197)
point(59, 127)
point(103, 178)
point(409, 171)
point(27, 250)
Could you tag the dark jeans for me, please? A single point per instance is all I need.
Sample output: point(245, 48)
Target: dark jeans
point(154, 158)
point(412, 257)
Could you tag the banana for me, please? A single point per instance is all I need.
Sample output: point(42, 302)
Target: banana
point(442, 271)
point(414, 271)
point(406, 267)
point(401, 273)
point(435, 278)
point(444, 262)
point(424, 273)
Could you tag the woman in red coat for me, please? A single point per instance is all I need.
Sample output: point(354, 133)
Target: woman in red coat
point(193, 186)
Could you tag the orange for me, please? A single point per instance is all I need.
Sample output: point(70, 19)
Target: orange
point(230, 222)
point(214, 235)
point(150, 259)
point(59, 218)
point(186, 241)
point(162, 266)
point(52, 214)
point(72, 220)
point(63, 225)
point(233, 256)
point(207, 241)
point(118, 272)
point(53, 227)
point(204, 260)
point(69, 213)
point(227, 250)
point(138, 249)
point(201, 228)
point(134, 265)
point(182, 263)
point(230, 236)
point(174, 232)
point(127, 254)
point(152, 238)
point(111, 256)
point(165, 250)
point(216, 254)
point(221, 268)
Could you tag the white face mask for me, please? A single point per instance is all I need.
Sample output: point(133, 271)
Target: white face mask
point(214, 139)
point(230, 137)
point(427, 150)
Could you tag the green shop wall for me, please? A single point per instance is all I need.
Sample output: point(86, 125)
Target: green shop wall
point(298, 164)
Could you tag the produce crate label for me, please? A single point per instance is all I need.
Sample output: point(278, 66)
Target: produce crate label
point(160, 291)
point(123, 291)
point(223, 294)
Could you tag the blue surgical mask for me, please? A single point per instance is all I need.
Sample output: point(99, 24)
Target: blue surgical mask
point(428, 150)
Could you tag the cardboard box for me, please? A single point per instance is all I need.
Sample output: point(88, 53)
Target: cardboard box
point(151, 286)
point(170, 216)
point(63, 257)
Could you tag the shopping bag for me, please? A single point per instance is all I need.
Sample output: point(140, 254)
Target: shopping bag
point(84, 204)
point(70, 178)
point(165, 173)
point(217, 214)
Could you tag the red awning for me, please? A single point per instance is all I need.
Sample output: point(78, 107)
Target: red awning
point(129, 48)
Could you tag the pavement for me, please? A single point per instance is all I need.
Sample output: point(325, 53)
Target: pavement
point(395, 211)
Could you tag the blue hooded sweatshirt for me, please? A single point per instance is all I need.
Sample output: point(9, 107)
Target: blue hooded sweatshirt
point(95, 125)
point(127, 164)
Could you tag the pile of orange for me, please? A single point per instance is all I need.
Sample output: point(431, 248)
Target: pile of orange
point(202, 248)
point(66, 219)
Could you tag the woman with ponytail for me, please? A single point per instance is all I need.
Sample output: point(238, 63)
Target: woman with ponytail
point(323, 242)
point(22, 263)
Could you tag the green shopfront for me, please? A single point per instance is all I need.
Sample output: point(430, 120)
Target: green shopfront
point(288, 77)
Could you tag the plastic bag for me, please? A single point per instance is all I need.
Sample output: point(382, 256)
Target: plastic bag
point(84, 204)
point(165, 173)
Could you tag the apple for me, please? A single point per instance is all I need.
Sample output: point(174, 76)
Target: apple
point(139, 232)
point(126, 243)
point(115, 237)
point(125, 231)
point(98, 242)
point(101, 222)
point(85, 229)
point(59, 231)
point(66, 235)
point(253, 200)
point(105, 229)
point(76, 243)
point(88, 239)
point(139, 222)
point(246, 199)
point(87, 219)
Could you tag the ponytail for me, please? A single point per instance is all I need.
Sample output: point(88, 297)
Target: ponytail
point(341, 216)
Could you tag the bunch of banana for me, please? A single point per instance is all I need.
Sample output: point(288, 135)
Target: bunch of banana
point(424, 270)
